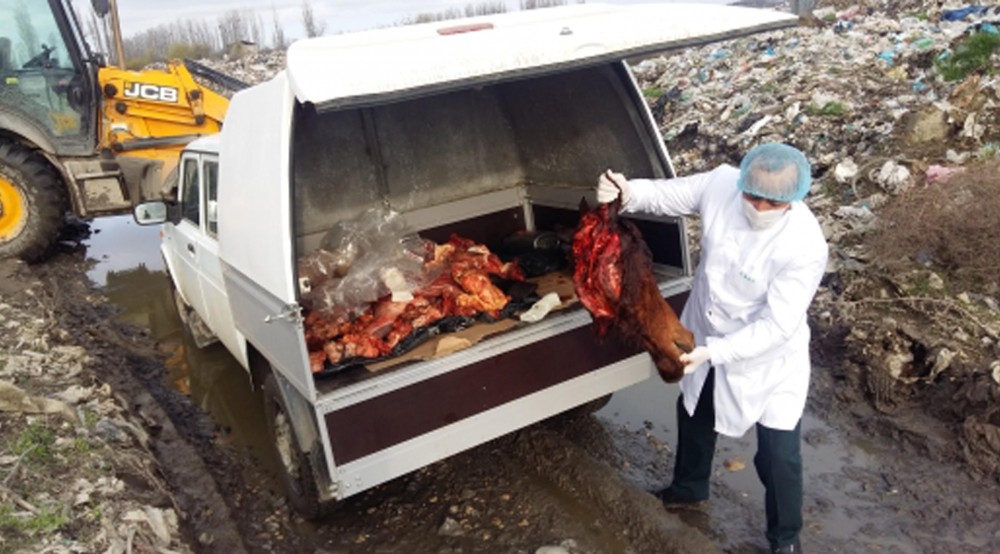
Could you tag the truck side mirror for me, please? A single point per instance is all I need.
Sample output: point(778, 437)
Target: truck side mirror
point(101, 7)
point(150, 213)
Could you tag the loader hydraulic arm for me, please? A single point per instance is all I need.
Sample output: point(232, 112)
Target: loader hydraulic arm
point(148, 117)
point(143, 109)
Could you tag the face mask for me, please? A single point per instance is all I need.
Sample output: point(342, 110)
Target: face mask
point(761, 220)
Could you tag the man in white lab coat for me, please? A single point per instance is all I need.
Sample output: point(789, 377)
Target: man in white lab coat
point(762, 257)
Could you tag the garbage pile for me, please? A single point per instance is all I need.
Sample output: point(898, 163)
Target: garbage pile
point(844, 84)
point(857, 89)
point(871, 95)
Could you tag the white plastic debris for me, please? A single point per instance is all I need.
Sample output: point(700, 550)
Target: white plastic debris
point(541, 308)
point(893, 178)
point(846, 171)
point(395, 281)
point(859, 213)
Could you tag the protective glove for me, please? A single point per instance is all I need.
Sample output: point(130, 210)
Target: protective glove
point(607, 191)
point(693, 360)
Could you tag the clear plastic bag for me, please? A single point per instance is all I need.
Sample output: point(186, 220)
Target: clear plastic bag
point(370, 256)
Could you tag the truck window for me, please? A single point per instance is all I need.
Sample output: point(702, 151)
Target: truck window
point(190, 196)
point(38, 70)
point(210, 172)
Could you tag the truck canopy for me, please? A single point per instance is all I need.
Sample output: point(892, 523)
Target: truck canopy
point(347, 114)
point(377, 66)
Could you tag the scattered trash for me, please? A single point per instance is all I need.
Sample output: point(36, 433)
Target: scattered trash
point(846, 171)
point(961, 13)
point(893, 177)
point(941, 174)
point(735, 464)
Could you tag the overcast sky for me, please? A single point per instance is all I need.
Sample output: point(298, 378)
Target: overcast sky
point(338, 15)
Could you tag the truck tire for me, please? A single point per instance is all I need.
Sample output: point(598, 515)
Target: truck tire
point(294, 465)
point(32, 203)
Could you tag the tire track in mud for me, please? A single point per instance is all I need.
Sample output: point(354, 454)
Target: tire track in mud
point(132, 367)
point(574, 471)
point(216, 486)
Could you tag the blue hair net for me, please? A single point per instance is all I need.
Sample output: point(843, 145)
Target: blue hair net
point(775, 171)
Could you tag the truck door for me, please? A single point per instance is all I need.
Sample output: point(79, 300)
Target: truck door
point(213, 289)
point(187, 236)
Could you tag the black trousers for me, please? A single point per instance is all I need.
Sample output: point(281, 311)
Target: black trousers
point(778, 462)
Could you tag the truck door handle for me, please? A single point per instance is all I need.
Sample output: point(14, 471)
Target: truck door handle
point(190, 248)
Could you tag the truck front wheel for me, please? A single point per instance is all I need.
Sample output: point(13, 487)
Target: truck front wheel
point(32, 203)
point(295, 466)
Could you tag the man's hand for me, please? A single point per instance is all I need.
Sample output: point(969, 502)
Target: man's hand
point(694, 359)
point(610, 185)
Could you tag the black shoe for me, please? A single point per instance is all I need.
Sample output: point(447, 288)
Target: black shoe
point(794, 548)
point(670, 498)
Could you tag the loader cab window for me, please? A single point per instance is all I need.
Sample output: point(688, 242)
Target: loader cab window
point(41, 76)
point(210, 174)
point(190, 192)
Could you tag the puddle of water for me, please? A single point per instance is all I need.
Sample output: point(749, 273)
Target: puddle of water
point(119, 243)
point(835, 473)
point(129, 268)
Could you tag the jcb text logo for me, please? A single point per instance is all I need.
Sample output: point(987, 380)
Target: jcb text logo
point(150, 92)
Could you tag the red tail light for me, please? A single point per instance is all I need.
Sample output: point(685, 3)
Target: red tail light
point(458, 29)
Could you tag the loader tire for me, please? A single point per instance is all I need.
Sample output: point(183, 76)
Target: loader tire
point(32, 203)
point(294, 466)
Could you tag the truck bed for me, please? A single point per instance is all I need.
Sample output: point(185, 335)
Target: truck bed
point(541, 208)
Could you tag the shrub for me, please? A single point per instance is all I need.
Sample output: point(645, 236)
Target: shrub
point(970, 56)
point(830, 109)
point(181, 50)
point(138, 62)
point(951, 226)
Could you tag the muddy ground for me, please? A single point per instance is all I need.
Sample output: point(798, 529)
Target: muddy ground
point(158, 473)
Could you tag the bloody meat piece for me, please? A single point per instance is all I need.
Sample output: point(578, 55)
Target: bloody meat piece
point(614, 280)
point(459, 284)
point(386, 314)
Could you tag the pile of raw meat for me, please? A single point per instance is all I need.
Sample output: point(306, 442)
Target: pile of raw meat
point(458, 278)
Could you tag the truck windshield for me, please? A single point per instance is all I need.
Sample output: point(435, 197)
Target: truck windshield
point(39, 75)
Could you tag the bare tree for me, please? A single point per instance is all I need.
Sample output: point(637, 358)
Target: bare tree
point(278, 35)
point(179, 39)
point(257, 30)
point(312, 27)
point(485, 8)
point(233, 27)
point(26, 31)
point(537, 4)
point(96, 29)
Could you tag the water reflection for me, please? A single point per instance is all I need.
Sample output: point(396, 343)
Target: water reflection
point(831, 467)
point(128, 266)
point(119, 243)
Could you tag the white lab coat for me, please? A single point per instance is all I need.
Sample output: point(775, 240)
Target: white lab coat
point(749, 299)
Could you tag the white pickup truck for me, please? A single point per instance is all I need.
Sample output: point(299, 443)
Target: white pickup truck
point(481, 127)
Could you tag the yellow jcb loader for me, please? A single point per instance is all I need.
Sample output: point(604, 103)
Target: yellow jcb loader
point(78, 135)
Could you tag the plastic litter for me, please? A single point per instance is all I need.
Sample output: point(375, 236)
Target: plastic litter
point(893, 178)
point(961, 13)
point(541, 308)
point(846, 171)
point(940, 174)
point(361, 260)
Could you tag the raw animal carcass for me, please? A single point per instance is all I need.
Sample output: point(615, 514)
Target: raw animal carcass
point(614, 280)
point(457, 283)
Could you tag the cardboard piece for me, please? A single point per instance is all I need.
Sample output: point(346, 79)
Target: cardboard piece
point(560, 282)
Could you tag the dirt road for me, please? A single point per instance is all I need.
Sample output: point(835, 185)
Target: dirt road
point(875, 482)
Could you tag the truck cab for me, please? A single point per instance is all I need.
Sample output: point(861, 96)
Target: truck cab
point(485, 128)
